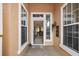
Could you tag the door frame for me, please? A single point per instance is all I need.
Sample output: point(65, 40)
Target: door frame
point(51, 19)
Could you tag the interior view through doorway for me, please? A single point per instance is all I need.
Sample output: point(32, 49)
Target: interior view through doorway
point(38, 32)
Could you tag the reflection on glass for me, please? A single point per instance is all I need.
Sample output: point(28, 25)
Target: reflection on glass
point(64, 15)
point(70, 42)
point(65, 32)
point(65, 40)
point(23, 35)
point(48, 26)
point(68, 18)
point(23, 26)
point(75, 12)
point(74, 6)
point(75, 44)
point(38, 32)
point(75, 16)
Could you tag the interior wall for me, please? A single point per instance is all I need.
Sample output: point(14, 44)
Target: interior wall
point(10, 29)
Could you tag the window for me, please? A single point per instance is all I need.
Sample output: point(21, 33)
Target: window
point(48, 26)
point(23, 26)
point(71, 26)
point(37, 15)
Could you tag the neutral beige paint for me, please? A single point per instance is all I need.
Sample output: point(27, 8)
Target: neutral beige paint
point(38, 8)
point(10, 29)
point(57, 19)
point(5, 29)
point(54, 8)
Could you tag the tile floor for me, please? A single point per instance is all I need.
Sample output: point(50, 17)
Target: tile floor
point(45, 51)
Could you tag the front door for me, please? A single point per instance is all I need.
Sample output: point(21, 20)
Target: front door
point(38, 32)
point(41, 28)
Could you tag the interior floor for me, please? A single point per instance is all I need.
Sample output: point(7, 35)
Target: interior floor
point(45, 51)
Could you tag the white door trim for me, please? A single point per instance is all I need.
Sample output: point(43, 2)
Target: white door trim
point(44, 13)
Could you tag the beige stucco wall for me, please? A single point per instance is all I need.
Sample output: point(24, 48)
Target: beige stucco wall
point(38, 8)
point(54, 8)
point(57, 18)
point(10, 29)
point(5, 28)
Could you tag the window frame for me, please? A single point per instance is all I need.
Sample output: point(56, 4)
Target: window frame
point(69, 50)
point(21, 47)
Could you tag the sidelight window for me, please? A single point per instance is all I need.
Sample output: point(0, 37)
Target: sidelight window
point(23, 26)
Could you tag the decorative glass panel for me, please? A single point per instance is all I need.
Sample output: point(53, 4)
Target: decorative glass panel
point(48, 26)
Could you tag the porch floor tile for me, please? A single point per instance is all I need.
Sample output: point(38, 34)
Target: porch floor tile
point(46, 51)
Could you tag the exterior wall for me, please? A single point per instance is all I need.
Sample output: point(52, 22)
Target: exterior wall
point(38, 8)
point(57, 18)
point(54, 8)
point(5, 28)
point(10, 29)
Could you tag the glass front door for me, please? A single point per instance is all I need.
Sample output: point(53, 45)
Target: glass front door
point(41, 28)
point(38, 32)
